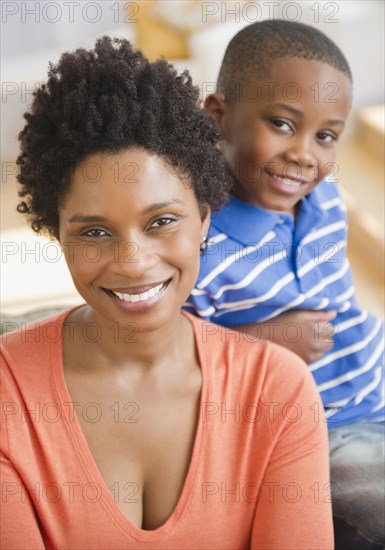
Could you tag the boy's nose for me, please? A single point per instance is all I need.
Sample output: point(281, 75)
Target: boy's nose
point(300, 152)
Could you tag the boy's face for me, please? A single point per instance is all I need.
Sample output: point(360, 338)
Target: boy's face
point(281, 135)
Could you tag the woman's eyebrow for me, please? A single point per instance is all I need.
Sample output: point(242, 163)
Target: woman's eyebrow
point(84, 218)
point(150, 208)
point(159, 205)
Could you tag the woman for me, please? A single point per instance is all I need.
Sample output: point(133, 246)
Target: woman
point(129, 423)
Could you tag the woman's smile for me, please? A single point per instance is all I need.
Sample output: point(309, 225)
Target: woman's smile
point(139, 298)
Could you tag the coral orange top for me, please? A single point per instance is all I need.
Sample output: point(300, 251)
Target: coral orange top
point(258, 476)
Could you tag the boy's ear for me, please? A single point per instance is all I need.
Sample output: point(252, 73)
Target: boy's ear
point(216, 108)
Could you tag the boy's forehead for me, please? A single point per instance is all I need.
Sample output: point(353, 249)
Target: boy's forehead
point(294, 76)
point(287, 68)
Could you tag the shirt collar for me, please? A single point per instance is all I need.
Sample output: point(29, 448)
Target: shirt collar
point(310, 212)
point(245, 222)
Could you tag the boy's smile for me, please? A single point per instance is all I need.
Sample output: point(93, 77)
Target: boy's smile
point(283, 143)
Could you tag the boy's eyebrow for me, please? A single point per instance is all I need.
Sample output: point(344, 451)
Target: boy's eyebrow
point(335, 122)
point(288, 108)
point(291, 109)
point(151, 208)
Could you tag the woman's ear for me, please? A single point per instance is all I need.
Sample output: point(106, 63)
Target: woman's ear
point(216, 108)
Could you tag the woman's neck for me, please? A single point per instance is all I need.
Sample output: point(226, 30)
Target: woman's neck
point(116, 347)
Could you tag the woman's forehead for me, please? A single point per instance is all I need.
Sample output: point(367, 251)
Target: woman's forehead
point(134, 177)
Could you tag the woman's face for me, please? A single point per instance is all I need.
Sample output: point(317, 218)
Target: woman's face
point(130, 230)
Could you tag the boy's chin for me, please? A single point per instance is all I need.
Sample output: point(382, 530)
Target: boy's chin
point(283, 204)
point(270, 200)
point(277, 205)
point(283, 209)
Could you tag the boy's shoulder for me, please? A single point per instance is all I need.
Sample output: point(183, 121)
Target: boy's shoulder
point(327, 190)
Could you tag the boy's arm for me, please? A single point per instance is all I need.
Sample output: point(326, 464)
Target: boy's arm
point(305, 332)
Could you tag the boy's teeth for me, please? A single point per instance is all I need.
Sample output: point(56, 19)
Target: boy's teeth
point(291, 183)
point(139, 297)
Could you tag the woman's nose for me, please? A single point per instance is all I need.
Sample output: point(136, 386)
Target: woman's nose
point(132, 258)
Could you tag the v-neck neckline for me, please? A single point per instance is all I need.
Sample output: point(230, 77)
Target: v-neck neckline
point(87, 460)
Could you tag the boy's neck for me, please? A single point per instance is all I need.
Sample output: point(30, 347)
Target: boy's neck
point(236, 191)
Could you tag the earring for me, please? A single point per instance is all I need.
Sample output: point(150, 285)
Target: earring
point(203, 246)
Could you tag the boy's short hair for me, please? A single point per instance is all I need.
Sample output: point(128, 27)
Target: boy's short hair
point(252, 51)
point(109, 99)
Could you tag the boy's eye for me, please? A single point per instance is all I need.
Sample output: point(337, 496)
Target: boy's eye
point(160, 222)
point(325, 136)
point(94, 233)
point(279, 123)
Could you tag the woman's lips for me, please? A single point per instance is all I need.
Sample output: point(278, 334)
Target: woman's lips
point(137, 289)
point(142, 297)
point(139, 297)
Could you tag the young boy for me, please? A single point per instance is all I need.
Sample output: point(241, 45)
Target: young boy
point(275, 264)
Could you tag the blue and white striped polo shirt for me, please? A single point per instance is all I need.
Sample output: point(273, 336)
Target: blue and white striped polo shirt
point(259, 264)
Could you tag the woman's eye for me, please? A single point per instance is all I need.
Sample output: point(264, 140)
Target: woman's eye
point(160, 222)
point(94, 233)
point(325, 136)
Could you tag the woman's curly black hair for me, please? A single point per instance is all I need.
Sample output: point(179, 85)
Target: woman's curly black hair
point(109, 99)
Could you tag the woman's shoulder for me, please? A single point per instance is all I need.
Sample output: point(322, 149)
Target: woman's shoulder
point(28, 342)
point(248, 361)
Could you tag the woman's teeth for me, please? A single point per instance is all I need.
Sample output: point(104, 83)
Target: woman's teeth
point(139, 297)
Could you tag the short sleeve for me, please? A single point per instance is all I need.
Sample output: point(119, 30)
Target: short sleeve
point(19, 525)
point(294, 508)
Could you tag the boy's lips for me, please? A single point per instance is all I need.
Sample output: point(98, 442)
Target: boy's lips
point(286, 184)
point(288, 178)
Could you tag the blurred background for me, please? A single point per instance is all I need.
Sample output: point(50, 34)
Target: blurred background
point(193, 35)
